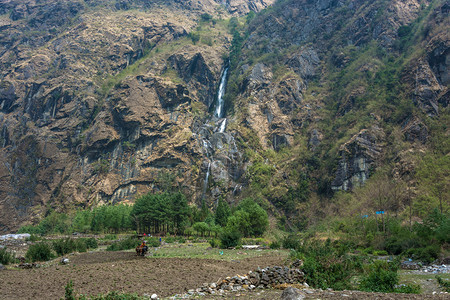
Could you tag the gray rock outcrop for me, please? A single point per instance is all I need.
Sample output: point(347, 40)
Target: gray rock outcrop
point(357, 158)
point(291, 293)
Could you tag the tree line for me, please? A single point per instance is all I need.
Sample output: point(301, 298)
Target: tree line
point(160, 214)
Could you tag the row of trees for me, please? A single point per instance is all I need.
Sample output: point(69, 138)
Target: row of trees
point(159, 214)
point(169, 212)
point(155, 213)
point(103, 219)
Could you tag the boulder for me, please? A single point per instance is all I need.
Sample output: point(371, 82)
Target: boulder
point(64, 261)
point(292, 294)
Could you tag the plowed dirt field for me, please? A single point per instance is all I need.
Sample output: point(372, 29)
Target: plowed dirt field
point(101, 272)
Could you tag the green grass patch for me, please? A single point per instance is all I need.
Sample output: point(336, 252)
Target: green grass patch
point(204, 251)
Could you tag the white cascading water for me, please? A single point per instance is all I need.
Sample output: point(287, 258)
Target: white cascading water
point(205, 186)
point(221, 93)
point(217, 114)
point(223, 125)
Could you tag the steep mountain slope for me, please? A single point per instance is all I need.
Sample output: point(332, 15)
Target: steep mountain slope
point(343, 90)
point(102, 101)
point(98, 97)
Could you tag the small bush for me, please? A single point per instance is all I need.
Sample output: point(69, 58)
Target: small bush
point(445, 284)
point(426, 254)
point(125, 244)
point(292, 241)
point(110, 237)
point(6, 257)
point(368, 251)
point(169, 239)
point(206, 17)
point(39, 252)
point(153, 242)
point(62, 246)
point(229, 238)
point(380, 252)
point(114, 295)
point(195, 37)
point(275, 245)
point(327, 264)
point(68, 295)
point(33, 238)
point(80, 245)
point(408, 289)
point(91, 243)
point(381, 277)
point(68, 245)
point(214, 243)
point(37, 230)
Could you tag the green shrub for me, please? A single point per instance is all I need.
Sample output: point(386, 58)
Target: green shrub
point(169, 239)
point(445, 284)
point(125, 244)
point(110, 237)
point(39, 252)
point(408, 289)
point(381, 277)
point(6, 257)
point(195, 37)
point(62, 247)
point(425, 254)
point(153, 242)
point(229, 238)
point(91, 243)
point(292, 241)
point(68, 245)
point(114, 295)
point(205, 17)
point(327, 264)
point(68, 295)
point(80, 245)
point(275, 245)
point(33, 238)
point(37, 230)
point(380, 252)
point(214, 243)
point(368, 250)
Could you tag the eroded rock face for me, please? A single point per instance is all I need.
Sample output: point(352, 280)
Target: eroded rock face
point(415, 130)
point(85, 135)
point(245, 6)
point(357, 158)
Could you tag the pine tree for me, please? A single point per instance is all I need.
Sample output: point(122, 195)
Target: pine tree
point(223, 211)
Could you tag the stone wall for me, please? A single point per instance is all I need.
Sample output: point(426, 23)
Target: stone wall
point(260, 278)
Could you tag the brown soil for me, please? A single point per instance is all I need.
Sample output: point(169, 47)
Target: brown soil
point(101, 272)
point(269, 294)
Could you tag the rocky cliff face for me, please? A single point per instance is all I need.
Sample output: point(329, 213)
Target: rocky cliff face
point(358, 159)
point(302, 82)
point(101, 101)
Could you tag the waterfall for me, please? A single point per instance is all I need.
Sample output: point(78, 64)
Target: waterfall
point(223, 125)
point(205, 186)
point(220, 123)
point(220, 94)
